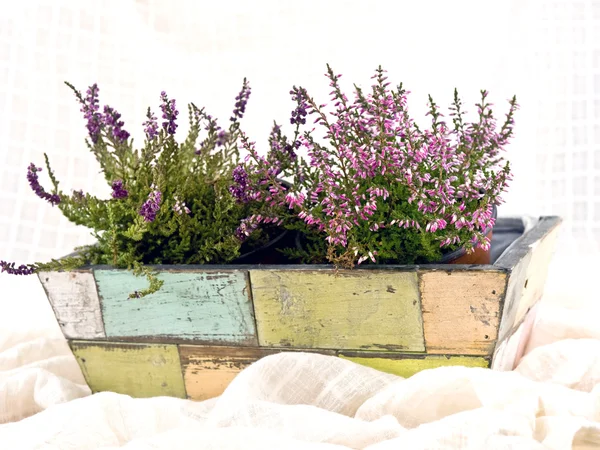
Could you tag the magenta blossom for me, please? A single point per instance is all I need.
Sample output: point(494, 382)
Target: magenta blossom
point(381, 175)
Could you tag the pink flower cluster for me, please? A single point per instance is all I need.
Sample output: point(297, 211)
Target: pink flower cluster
point(251, 224)
point(379, 169)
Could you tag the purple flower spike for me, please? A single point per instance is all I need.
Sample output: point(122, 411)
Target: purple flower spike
point(151, 125)
point(20, 270)
point(240, 187)
point(241, 101)
point(278, 144)
point(222, 137)
point(170, 113)
point(301, 98)
point(111, 120)
point(34, 182)
point(118, 190)
point(90, 108)
point(151, 207)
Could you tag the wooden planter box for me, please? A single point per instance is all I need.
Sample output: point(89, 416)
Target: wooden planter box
point(207, 323)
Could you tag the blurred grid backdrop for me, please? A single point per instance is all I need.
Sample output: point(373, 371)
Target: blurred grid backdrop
point(546, 52)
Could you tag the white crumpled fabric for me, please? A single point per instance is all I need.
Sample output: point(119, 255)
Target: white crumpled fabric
point(308, 401)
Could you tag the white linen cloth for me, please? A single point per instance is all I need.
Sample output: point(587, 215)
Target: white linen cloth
point(307, 401)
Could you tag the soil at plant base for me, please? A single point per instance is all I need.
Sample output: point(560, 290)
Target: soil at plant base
point(265, 250)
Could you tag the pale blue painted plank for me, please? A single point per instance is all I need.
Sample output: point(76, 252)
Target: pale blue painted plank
point(208, 307)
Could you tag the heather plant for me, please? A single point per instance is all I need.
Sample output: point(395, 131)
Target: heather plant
point(170, 201)
point(376, 187)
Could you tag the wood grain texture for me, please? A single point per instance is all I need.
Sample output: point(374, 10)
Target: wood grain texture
point(74, 299)
point(207, 307)
point(528, 262)
point(207, 370)
point(347, 310)
point(138, 370)
point(461, 311)
point(407, 365)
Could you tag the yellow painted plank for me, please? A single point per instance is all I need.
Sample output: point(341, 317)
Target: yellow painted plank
point(410, 364)
point(357, 309)
point(461, 310)
point(138, 370)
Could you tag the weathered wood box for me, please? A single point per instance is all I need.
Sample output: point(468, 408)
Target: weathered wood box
point(207, 323)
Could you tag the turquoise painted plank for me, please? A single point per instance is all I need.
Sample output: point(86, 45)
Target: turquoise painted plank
point(212, 307)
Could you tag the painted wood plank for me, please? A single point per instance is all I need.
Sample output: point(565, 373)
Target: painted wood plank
point(300, 267)
point(528, 262)
point(535, 232)
point(510, 350)
point(461, 311)
point(138, 370)
point(207, 370)
point(74, 299)
point(207, 307)
point(407, 365)
point(344, 310)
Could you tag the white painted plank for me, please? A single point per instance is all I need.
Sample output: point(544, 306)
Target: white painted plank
point(74, 299)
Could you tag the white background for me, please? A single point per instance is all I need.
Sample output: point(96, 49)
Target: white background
point(545, 52)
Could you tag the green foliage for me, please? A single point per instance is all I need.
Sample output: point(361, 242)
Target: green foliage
point(196, 215)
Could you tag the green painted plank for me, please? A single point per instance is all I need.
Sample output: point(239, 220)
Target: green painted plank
point(343, 310)
point(207, 307)
point(138, 370)
point(410, 364)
